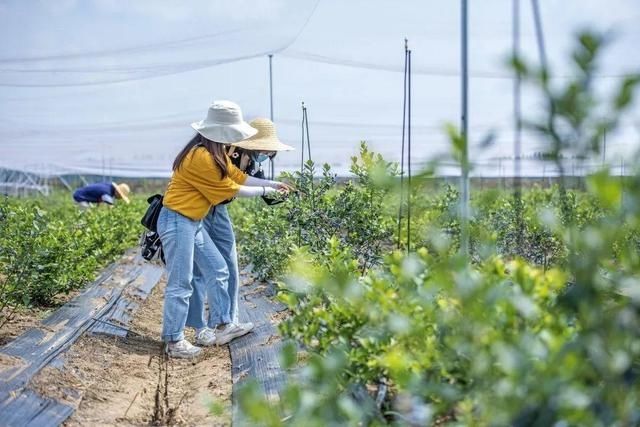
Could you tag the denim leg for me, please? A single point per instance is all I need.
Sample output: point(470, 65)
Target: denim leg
point(215, 276)
point(196, 317)
point(178, 234)
point(218, 226)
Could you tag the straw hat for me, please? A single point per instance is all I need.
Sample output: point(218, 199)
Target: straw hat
point(224, 123)
point(265, 140)
point(123, 191)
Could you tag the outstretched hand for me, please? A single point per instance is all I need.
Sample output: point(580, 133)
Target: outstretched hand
point(283, 187)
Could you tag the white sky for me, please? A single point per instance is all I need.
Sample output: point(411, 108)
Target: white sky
point(110, 86)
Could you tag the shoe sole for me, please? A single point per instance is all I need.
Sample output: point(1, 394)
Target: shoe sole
point(183, 356)
point(228, 338)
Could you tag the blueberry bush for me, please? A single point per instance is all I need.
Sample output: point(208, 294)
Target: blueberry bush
point(537, 325)
point(48, 247)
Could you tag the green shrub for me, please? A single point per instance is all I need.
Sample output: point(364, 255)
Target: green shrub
point(49, 247)
point(538, 326)
point(356, 213)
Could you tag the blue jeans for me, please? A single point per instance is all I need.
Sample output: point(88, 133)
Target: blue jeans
point(185, 245)
point(224, 309)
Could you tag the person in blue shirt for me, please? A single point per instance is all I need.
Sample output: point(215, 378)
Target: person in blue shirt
point(101, 192)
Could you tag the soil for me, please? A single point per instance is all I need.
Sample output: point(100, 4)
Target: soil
point(14, 322)
point(114, 381)
point(19, 321)
point(7, 361)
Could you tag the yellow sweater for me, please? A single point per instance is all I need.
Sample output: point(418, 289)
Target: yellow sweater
point(198, 184)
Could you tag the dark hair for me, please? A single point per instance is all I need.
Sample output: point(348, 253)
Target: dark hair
point(214, 148)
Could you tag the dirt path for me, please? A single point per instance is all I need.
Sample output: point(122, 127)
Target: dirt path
point(130, 382)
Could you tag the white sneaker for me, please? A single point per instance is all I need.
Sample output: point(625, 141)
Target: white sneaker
point(205, 337)
point(182, 349)
point(231, 331)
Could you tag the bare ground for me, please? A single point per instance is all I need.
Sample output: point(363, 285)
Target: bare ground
point(19, 321)
point(130, 382)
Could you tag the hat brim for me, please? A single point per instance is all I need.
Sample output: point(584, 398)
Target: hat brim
point(263, 144)
point(120, 193)
point(224, 134)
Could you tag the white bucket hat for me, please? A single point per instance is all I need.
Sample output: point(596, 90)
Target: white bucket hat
point(224, 123)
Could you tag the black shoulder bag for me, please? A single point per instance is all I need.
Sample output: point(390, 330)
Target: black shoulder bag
point(150, 217)
point(150, 244)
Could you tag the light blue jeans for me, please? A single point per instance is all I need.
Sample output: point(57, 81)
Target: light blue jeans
point(185, 246)
point(223, 299)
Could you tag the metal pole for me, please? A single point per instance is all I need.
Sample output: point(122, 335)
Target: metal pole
point(464, 206)
point(271, 160)
point(621, 182)
point(404, 118)
point(409, 152)
point(302, 142)
point(271, 87)
point(517, 148)
point(539, 35)
point(604, 148)
point(306, 125)
point(517, 116)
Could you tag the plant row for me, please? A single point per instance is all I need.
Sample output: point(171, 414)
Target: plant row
point(49, 247)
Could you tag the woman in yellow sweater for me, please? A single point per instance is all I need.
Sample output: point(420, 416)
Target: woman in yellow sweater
point(203, 176)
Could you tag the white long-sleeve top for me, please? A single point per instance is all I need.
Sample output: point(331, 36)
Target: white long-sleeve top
point(254, 187)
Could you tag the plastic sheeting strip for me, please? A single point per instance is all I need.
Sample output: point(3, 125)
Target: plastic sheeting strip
point(40, 346)
point(116, 320)
point(256, 355)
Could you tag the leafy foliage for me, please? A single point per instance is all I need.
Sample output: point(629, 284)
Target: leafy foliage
point(355, 213)
point(536, 331)
point(49, 247)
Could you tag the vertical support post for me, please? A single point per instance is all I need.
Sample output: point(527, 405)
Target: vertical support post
point(621, 183)
point(271, 87)
point(604, 148)
point(271, 160)
point(306, 127)
point(464, 202)
point(409, 152)
point(517, 118)
point(542, 52)
point(404, 119)
point(302, 141)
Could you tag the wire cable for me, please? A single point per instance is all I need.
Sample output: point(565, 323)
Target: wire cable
point(153, 72)
point(424, 71)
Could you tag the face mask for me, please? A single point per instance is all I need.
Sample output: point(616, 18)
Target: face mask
point(259, 158)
